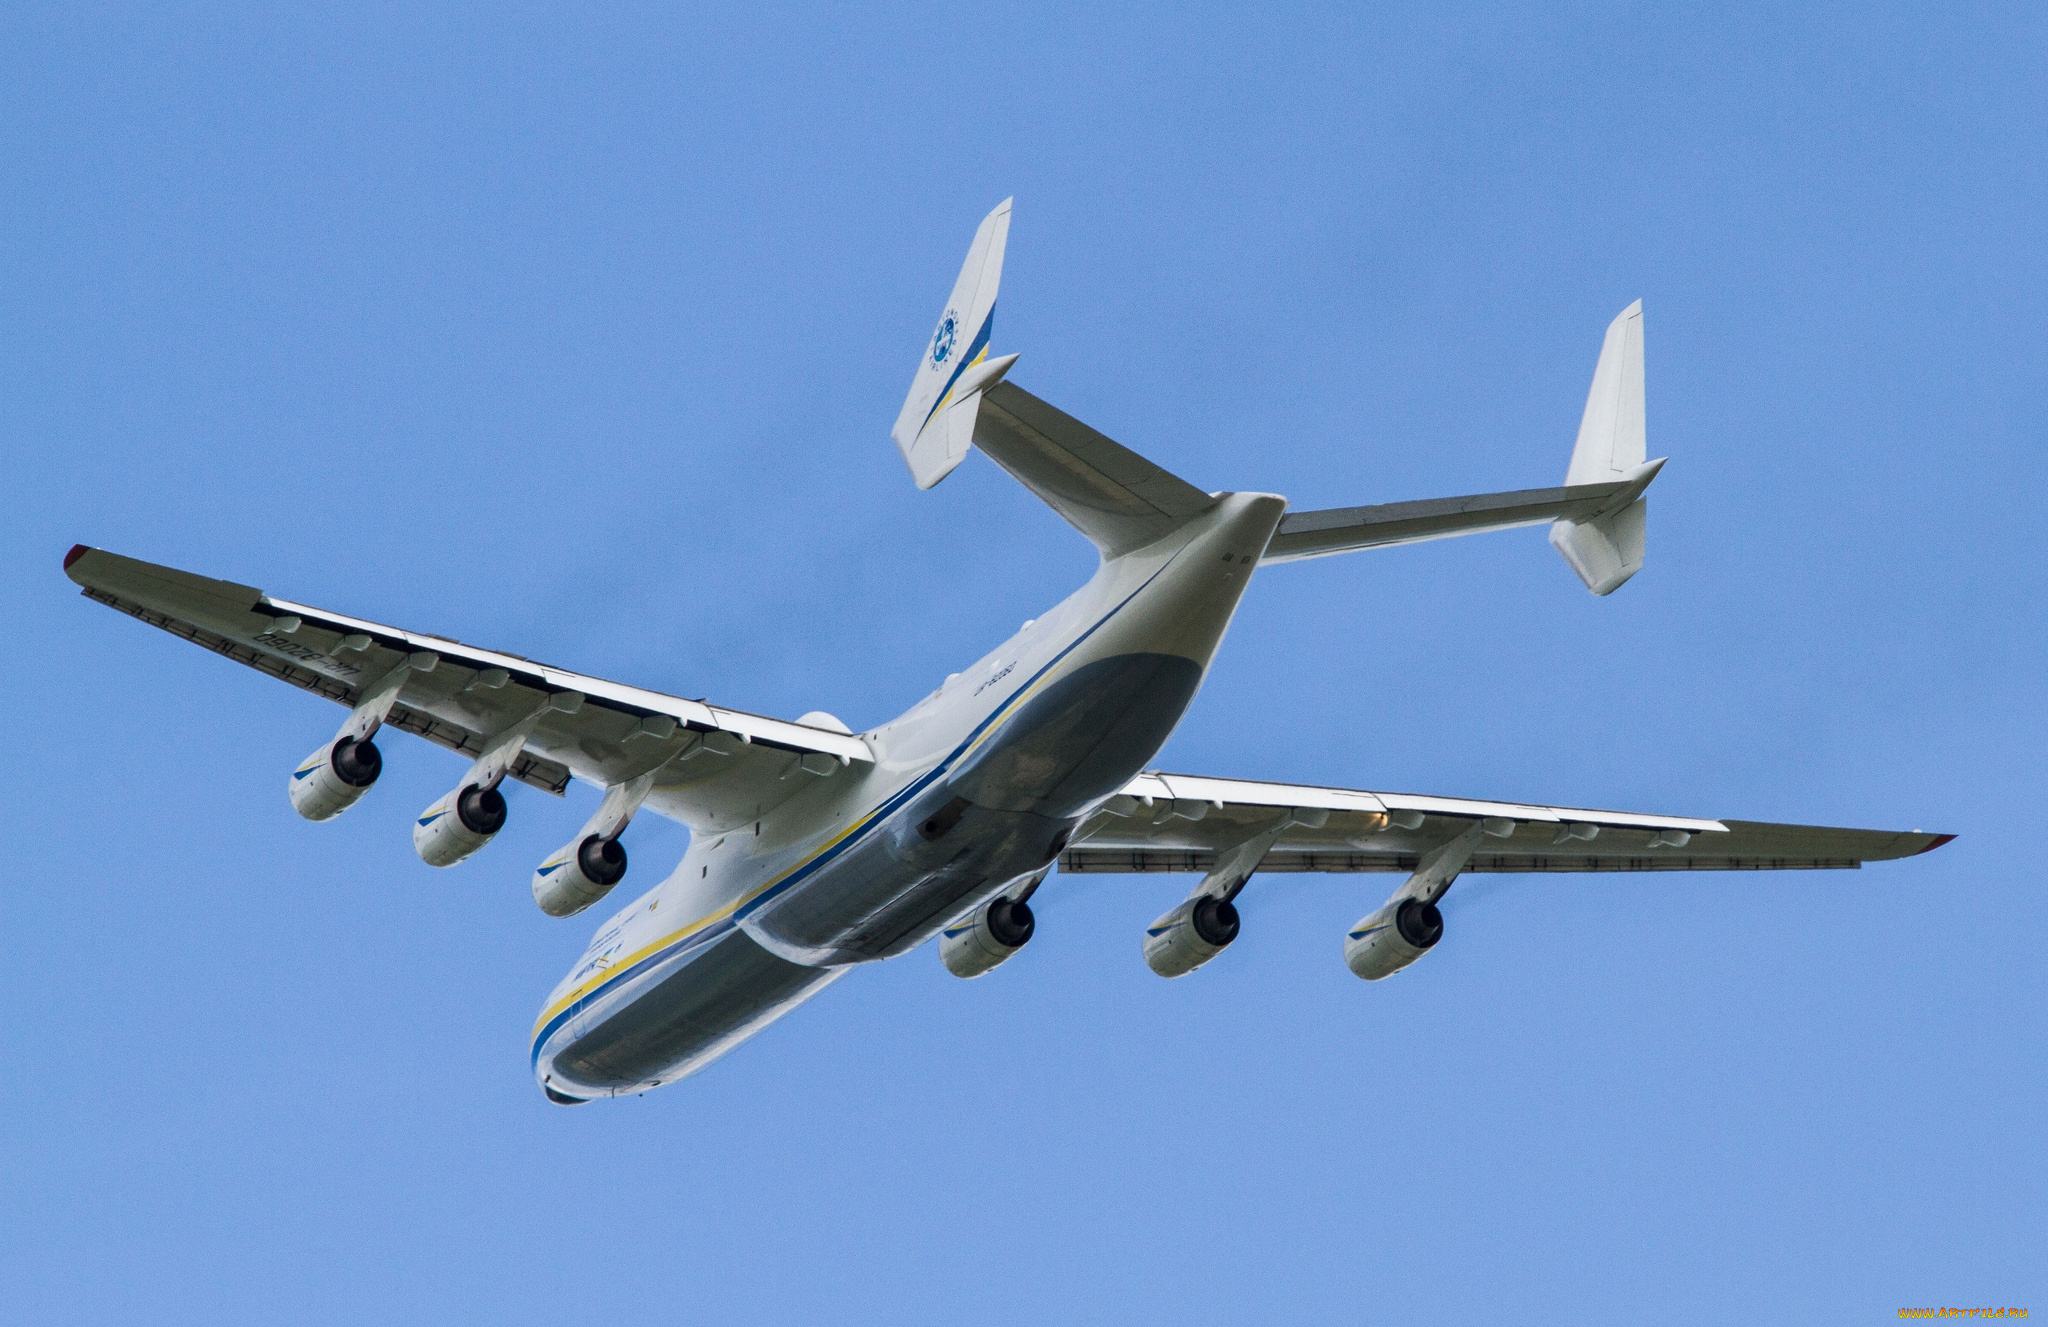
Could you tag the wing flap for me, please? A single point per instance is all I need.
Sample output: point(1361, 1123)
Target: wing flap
point(1250, 792)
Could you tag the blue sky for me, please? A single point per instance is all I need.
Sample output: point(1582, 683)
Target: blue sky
point(578, 333)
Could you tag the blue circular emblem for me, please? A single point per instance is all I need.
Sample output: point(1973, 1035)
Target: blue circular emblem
point(942, 340)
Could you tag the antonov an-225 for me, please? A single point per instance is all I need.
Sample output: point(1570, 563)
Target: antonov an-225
point(814, 849)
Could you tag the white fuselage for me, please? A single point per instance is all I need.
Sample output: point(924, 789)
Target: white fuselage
point(975, 788)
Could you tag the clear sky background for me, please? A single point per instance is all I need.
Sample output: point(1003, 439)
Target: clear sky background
point(578, 333)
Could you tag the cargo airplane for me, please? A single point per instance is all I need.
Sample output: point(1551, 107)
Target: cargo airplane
point(814, 849)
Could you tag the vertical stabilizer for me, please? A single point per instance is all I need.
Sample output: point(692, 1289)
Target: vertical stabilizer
point(937, 424)
point(1605, 550)
point(1611, 433)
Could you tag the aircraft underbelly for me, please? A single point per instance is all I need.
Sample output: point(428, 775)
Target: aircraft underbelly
point(1004, 812)
point(720, 996)
point(896, 891)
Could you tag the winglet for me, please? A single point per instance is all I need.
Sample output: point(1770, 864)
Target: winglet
point(936, 426)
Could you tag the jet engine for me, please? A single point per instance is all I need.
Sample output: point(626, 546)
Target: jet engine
point(1392, 938)
point(457, 825)
point(332, 779)
point(977, 943)
point(579, 875)
point(1190, 935)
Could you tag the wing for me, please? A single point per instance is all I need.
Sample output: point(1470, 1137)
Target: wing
point(1182, 823)
point(717, 768)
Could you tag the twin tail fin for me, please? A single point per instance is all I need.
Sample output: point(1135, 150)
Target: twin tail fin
point(936, 427)
point(1598, 520)
point(1606, 549)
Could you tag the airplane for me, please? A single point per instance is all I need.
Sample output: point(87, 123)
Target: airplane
point(815, 849)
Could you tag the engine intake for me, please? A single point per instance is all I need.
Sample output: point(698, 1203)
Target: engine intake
point(335, 777)
point(579, 875)
point(1386, 941)
point(1189, 936)
point(459, 824)
point(976, 944)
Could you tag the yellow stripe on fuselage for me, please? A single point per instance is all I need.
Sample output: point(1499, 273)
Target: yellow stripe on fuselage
point(677, 936)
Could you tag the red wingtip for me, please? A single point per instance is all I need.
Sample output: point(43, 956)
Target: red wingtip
point(1939, 839)
point(77, 551)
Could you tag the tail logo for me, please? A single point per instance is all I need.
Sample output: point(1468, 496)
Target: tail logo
point(943, 339)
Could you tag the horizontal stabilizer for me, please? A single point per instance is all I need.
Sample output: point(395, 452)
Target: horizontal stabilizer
point(1108, 492)
point(1315, 534)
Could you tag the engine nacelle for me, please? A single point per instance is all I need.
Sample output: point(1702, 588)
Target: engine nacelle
point(974, 945)
point(335, 777)
point(1190, 935)
point(579, 875)
point(1392, 938)
point(457, 825)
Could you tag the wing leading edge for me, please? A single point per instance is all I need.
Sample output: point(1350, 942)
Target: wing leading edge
point(1183, 823)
